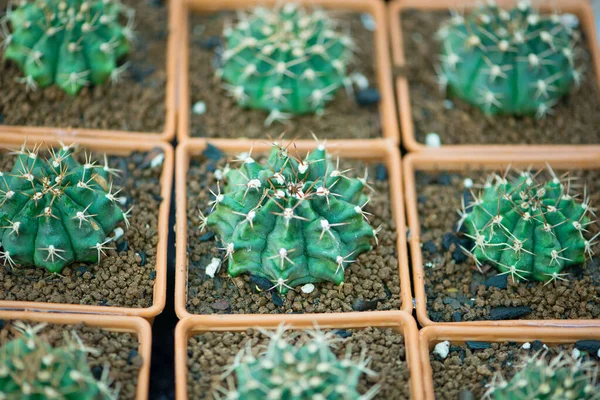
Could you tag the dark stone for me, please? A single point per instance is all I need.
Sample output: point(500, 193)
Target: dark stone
point(217, 60)
point(132, 354)
point(455, 304)
point(153, 275)
point(220, 305)
point(381, 173)
point(445, 179)
point(537, 345)
point(212, 153)
point(466, 395)
point(591, 346)
point(501, 313)
point(1, 118)
point(140, 73)
point(456, 316)
point(260, 282)
point(80, 271)
point(430, 246)
point(467, 197)
point(422, 199)
point(478, 345)
point(448, 240)
point(206, 236)
point(97, 372)
point(212, 42)
point(276, 299)
point(367, 97)
point(365, 305)
point(142, 257)
point(343, 333)
point(123, 246)
point(459, 255)
point(497, 281)
point(2, 324)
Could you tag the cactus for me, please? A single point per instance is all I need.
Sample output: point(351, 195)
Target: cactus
point(560, 378)
point(55, 211)
point(32, 369)
point(284, 371)
point(286, 61)
point(71, 43)
point(514, 62)
point(528, 229)
point(292, 221)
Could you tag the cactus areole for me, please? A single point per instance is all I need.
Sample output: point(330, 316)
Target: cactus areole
point(514, 62)
point(528, 229)
point(292, 221)
point(70, 43)
point(286, 61)
point(56, 211)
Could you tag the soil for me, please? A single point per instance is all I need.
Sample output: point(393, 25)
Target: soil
point(372, 283)
point(457, 291)
point(467, 369)
point(209, 353)
point(574, 120)
point(223, 118)
point(119, 349)
point(125, 276)
point(136, 103)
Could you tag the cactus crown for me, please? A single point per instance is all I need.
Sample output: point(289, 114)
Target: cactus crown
point(55, 211)
point(508, 62)
point(308, 371)
point(526, 228)
point(31, 369)
point(68, 42)
point(286, 61)
point(561, 378)
point(292, 221)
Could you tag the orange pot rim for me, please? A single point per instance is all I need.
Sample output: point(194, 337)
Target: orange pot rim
point(168, 130)
point(434, 334)
point(384, 151)
point(459, 162)
point(401, 320)
point(136, 325)
point(387, 107)
point(581, 8)
point(160, 284)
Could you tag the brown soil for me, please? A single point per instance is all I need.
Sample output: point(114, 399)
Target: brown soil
point(456, 290)
point(136, 103)
point(470, 370)
point(373, 277)
point(343, 118)
point(120, 350)
point(125, 276)
point(209, 353)
point(575, 119)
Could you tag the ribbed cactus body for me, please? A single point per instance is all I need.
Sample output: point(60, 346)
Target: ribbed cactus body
point(70, 43)
point(56, 211)
point(291, 220)
point(514, 61)
point(285, 60)
point(529, 229)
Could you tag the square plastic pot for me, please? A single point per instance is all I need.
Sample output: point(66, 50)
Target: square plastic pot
point(123, 148)
point(400, 321)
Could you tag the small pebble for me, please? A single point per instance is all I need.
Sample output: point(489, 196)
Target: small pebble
point(575, 353)
point(430, 246)
point(213, 267)
point(442, 349)
point(219, 174)
point(433, 140)
point(199, 108)
point(537, 345)
point(367, 97)
point(526, 346)
point(276, 299)
point(478, 345)
point(368, 22)
point(359, 80)
point(448, 104)
point(118, 232)
point(569, 20)
point(466, 395)
point(212, 153)
point(365, 305)
point(308, 288)
point(500, 313)
point(590, 346)
point(468, 183)
point(456, 316)
point(157, 161)
point(497, 281)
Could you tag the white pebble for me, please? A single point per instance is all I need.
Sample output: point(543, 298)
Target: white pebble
point(308, 288)
point(213, 267)
point(598, 353)
point(545, 347)
point(468, 183)
point(118, 232)
point(360, 80)
point(448, 104)
point(569, 20)
point(368, 22)
point(442, 349)
point(526, 346)
point(199, 108)
point(576, 353)
point(433, 140)
point(122, 200)
point(218, 174)
point(157, 161)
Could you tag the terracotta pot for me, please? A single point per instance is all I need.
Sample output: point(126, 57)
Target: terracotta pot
point(376, 8)
point(168, 133)
point(367, 150)
point(581, 8)
point(400, 321)
point(135, 325)
point(431, 335)
point(495, 161)
point(113, 147)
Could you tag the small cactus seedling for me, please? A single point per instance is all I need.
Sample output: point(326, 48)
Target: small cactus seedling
point(528, 229)
point(560, 378)
point(32, 369)
point(292, 221)
point(55, 211)
point(514, 62)
point(296, 372)
point(71, 43)
point(286, 61)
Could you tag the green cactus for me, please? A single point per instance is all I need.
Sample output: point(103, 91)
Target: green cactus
point(561, 378)
point(72, 43)
point(56, 211)
point(308, 371)
point(514, 62)
point(292, 221)
point(528, 229)
point(32, 369)
point(286, 61)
